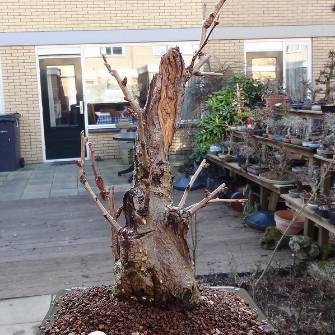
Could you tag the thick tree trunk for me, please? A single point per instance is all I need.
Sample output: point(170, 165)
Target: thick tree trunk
point(152, 258)
point(154, 262)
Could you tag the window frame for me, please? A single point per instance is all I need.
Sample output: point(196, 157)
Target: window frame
point(279, 45)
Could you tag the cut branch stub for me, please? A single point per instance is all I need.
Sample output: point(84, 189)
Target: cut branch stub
point(171, 75)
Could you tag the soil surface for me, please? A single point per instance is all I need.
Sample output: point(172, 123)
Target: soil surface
point(82, 311)
point(294, 302)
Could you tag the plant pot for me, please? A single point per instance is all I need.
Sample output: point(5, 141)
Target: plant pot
point(297, 106)
point(323, 211)
point(294, 194)
point(230, 158)
point(328, 108)
point(331, 214)
point(283, 219)
point(327, 153)
point(240, 293)
point(296, 141)
point(316, 108)
point(312, 205)
point(273, 179)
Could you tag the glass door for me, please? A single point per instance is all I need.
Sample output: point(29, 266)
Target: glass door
point(62, 100)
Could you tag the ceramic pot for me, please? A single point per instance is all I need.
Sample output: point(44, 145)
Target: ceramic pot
point(328, 108)
point(331, 214)
point(323, 211)
point(283, 219)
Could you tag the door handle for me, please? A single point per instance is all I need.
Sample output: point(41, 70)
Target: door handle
point(81, 107)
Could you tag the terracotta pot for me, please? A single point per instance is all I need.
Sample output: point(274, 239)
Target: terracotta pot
point(283, 219)
point(272, 100)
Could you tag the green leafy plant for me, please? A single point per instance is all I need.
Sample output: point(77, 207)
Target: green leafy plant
point(224, 110)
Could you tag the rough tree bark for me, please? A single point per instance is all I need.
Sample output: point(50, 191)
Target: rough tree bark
point(152, 257)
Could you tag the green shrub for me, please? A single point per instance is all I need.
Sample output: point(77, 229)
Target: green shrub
point(222, 111)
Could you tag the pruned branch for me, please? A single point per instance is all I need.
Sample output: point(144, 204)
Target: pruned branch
point(97, 177)
point(202, 165)
point(194, 208)
point(88, 188)
point(210, 23)
point(136, 109)
point(123, 86)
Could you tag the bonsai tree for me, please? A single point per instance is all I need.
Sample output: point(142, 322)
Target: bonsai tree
point(152, 257)
point(326, 77)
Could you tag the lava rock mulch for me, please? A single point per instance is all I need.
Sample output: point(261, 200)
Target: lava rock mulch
point(82, 311)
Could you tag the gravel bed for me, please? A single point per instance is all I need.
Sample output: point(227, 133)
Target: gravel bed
point(82, 311)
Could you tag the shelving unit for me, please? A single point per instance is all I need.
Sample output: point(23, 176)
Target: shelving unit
point(315, 226)
point(313, 220)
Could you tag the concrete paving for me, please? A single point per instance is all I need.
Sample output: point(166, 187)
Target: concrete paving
point(22, 316)
point(50, 180)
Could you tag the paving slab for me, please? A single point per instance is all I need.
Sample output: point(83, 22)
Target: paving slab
point(55, 243)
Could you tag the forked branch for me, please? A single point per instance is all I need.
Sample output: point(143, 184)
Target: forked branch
point(123, 86)
point(82, 177)
point(202, 165)
point(194, 208)
point(210, 23)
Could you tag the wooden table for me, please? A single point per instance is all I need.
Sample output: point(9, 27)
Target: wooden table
point(269, 193)
point(313, 220)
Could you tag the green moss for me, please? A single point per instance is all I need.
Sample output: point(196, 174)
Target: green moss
point(271, 237)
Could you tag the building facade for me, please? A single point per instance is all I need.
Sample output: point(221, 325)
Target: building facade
point(51, 70)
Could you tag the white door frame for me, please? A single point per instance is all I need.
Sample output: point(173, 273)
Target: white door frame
point(39, 52)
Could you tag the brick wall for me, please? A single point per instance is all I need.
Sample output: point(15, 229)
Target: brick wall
point(105, 146)
point(321, 47)
point(51, 15)
point(227, 53)
point(276, 12)
point(21, 96)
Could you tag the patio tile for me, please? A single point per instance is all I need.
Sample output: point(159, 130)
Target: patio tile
point(20, 329)
point(64, 192)
point(37, 188)
point(35, 195)
point(24, 310)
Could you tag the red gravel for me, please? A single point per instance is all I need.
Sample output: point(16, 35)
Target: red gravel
point(82, 311)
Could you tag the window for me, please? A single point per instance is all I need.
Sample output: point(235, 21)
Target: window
point(104, 100)
point(2, 102)
point(285, 62)
point(111, 51)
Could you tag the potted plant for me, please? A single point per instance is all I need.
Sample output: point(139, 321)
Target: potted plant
point(328, 141)
point(277, 164)
point(326, 77)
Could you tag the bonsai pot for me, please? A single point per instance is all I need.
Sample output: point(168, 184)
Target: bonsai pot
point(316, 108)
point(296, 141)
point(328, 108)
point(331, 214)
point(230, 158)
point(254, 169)
point(294, 193)
point(284, 217)
point(271, 178)
point(244, 304)
point(323, 211)
point(297, 106)
point(327, 153)
point(312, 205)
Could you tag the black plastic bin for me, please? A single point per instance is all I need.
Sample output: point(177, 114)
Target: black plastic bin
point(9, 142)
